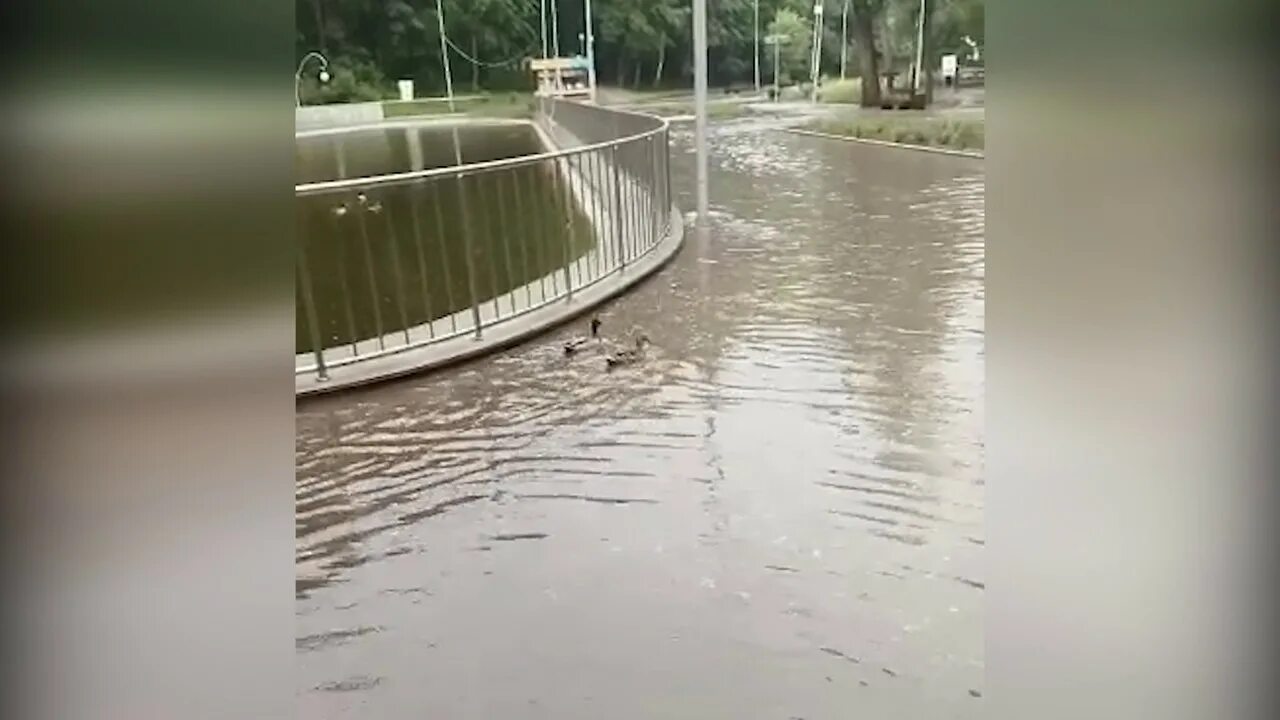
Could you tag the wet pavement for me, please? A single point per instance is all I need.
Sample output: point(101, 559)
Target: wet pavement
point(778, 513)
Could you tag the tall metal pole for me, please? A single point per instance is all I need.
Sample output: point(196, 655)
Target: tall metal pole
point(919, 70)
point(700, 103)
point(816, 65)
point(555, 29)
point(591, 53)
point(756, 57)
point(542, 19)
point(444, 55)
point(844, 37)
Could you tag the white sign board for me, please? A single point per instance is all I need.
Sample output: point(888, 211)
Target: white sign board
point(948, 65)
point(406, 89)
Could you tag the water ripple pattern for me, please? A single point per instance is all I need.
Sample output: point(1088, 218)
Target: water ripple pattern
point(777, 513)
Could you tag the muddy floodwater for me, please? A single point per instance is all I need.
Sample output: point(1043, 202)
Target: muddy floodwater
point(778, 513)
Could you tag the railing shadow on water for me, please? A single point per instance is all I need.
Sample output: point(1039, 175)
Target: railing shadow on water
point(401, 261)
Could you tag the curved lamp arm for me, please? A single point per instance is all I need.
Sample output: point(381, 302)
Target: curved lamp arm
point(297, 76)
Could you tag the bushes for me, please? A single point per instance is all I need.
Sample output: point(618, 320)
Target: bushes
point(841, 91)
point(351, 80)
point(959, 134)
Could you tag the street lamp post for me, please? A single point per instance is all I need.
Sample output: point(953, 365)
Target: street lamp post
point(555, 30)
point(844, 37)
point(591, 52)
point(444, 57)
point(542, 19)
point(700, 107)
point(816, 65)
point(776, 41)
point(756, 57)
point(297, 76)
point(918, 77)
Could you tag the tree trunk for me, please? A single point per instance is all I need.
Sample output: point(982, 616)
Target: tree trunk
point(622, 69)
point(319, 13)
point(636, 78)
point(868, 65)
point(662, 60)
point(475, 69)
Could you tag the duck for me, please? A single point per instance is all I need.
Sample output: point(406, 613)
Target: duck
point(627, 356)
point(578, 343)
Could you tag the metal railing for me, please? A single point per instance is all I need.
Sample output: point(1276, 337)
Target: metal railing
point(401, 261)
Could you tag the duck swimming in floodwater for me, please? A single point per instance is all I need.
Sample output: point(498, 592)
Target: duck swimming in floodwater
point(627, 356)
point(578, 343)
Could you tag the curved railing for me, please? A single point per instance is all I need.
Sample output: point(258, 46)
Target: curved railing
point(403, 261)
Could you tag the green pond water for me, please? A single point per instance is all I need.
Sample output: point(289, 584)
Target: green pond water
point(398, 257)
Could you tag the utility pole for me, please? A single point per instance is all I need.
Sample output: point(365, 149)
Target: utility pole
point(542, 19)
point(919, 69)
point(591, 53)
point(700, 104)
point(844, 37)
point(816, 58)
point(776, 41)
point(444, 55)
point(756, 56)
point(555, 29)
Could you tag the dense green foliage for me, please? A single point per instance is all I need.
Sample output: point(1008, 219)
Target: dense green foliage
point(639, 43)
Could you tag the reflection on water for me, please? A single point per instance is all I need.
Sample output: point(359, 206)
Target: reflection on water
point(404, 148)
point(398, 256)
point(777, 514)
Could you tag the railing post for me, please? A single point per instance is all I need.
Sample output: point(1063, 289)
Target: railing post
point(444, 256)
point(597, 213)
point(652, 190)
point(309, 306)
point(338, 213)
point(568, 236)
point(466, 252)
point(666, 172)
point(525, 278)
point(365, 207)
point(394, 243)
point(617, 208)
point(416, 218)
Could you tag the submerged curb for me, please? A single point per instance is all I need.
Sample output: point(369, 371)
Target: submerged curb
point(886, 143)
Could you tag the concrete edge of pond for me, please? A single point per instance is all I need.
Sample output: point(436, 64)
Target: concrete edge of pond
point(500, 336)
point(886, 143)
point(406, 121)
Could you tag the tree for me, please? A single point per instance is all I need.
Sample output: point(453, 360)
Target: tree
point(793, 56)
point(862, 23)
point(640, 39)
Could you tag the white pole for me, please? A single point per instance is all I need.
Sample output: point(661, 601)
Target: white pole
point(700, 103)
point(844, 37)
point(919, 78)
point(555, 29)
point(591, 54)
point(444, 55)
point(542, 19)
point(756, 56)
point(816, 64)
point(448, 81)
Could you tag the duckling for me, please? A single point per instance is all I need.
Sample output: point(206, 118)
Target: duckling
point(578, 343)
point(627, 356)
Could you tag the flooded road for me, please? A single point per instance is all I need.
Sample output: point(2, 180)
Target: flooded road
point(778, 514)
